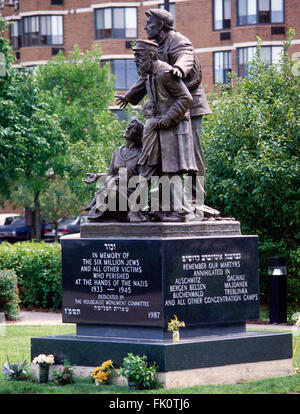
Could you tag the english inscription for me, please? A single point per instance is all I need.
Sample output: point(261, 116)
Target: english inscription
point(112, 283)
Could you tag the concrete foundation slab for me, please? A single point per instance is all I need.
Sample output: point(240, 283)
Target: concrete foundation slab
point(228, 374)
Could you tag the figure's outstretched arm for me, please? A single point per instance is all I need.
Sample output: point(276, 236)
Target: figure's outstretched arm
point(91, 177)
point(121, 101)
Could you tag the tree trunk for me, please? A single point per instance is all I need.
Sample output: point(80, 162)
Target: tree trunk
point(56, 231)
point(37, 211)
point(29, 221)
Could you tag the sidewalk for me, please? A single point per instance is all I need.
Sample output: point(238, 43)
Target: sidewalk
point(37, 318)
point(268, 326)
point(53, 318)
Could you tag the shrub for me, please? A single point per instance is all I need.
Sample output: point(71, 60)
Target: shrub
point(65, 375)
point(9, 294)
point(38, 269)
point(137, 371)
point(19, 371)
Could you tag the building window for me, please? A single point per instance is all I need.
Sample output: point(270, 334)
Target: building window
point(55, 50)
point(172, 10)
point(277, 11)
point(51, 30)
point(57, 2)
point(222, 66)
point(15, 34)
point(31, 31)
point(42, 30)
point(222, 14)
point(125, 72)
point(260, 11)
point(117, 22)
point(269, 54)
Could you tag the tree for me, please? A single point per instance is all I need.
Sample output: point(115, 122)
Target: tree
point(31, 140)
point(79, 90)
point(88, 156)
point(10, 150)
point(58, 201)
point(251, 144)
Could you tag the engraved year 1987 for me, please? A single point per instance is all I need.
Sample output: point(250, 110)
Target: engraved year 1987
point(153, 315)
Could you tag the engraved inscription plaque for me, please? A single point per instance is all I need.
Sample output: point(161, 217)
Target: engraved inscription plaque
point(207, 280)
point(113, 282)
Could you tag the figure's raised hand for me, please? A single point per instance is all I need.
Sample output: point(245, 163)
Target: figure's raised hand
point(121, 101)
point(176, 72)
point(90, 178)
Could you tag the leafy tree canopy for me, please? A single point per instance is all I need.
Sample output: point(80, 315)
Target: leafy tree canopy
point(251, 145)
point(79, 89)
point(30, 138)
point(252, 149)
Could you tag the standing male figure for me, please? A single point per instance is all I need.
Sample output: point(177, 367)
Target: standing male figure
point(172, 101)
point(178, 51)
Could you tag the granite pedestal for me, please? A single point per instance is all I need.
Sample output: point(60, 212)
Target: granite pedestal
point(123, 282)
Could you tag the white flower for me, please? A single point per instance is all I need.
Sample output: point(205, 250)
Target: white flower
point(44, 359)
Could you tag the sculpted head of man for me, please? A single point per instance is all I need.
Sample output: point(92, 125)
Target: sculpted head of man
point(157, 21)
point(145, 54)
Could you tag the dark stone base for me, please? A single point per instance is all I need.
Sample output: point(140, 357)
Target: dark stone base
point(214, 335)
point(201, 352)
point(217, 227)
point(141, 333)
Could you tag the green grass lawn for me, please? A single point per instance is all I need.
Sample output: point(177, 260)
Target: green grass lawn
point(15, 343)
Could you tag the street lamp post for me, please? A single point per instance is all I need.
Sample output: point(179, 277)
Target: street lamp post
point(277, 272)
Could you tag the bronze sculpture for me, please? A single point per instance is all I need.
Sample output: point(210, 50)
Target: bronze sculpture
point(170, 74)
point(178, 51)
point(124, 159)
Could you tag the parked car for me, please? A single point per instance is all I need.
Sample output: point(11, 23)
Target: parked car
point(8, 218)
point(66, 226)
point(17, 230)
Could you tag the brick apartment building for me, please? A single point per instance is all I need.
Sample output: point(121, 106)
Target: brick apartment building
point(223, 32)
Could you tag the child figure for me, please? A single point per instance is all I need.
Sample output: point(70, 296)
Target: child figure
point(150, 159)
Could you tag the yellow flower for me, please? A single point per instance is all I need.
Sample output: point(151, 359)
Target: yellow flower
point(106, 364)
point(175, 324)
point(101, 376)
point(97, 369)
point(102, 373)
point(95, 372)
